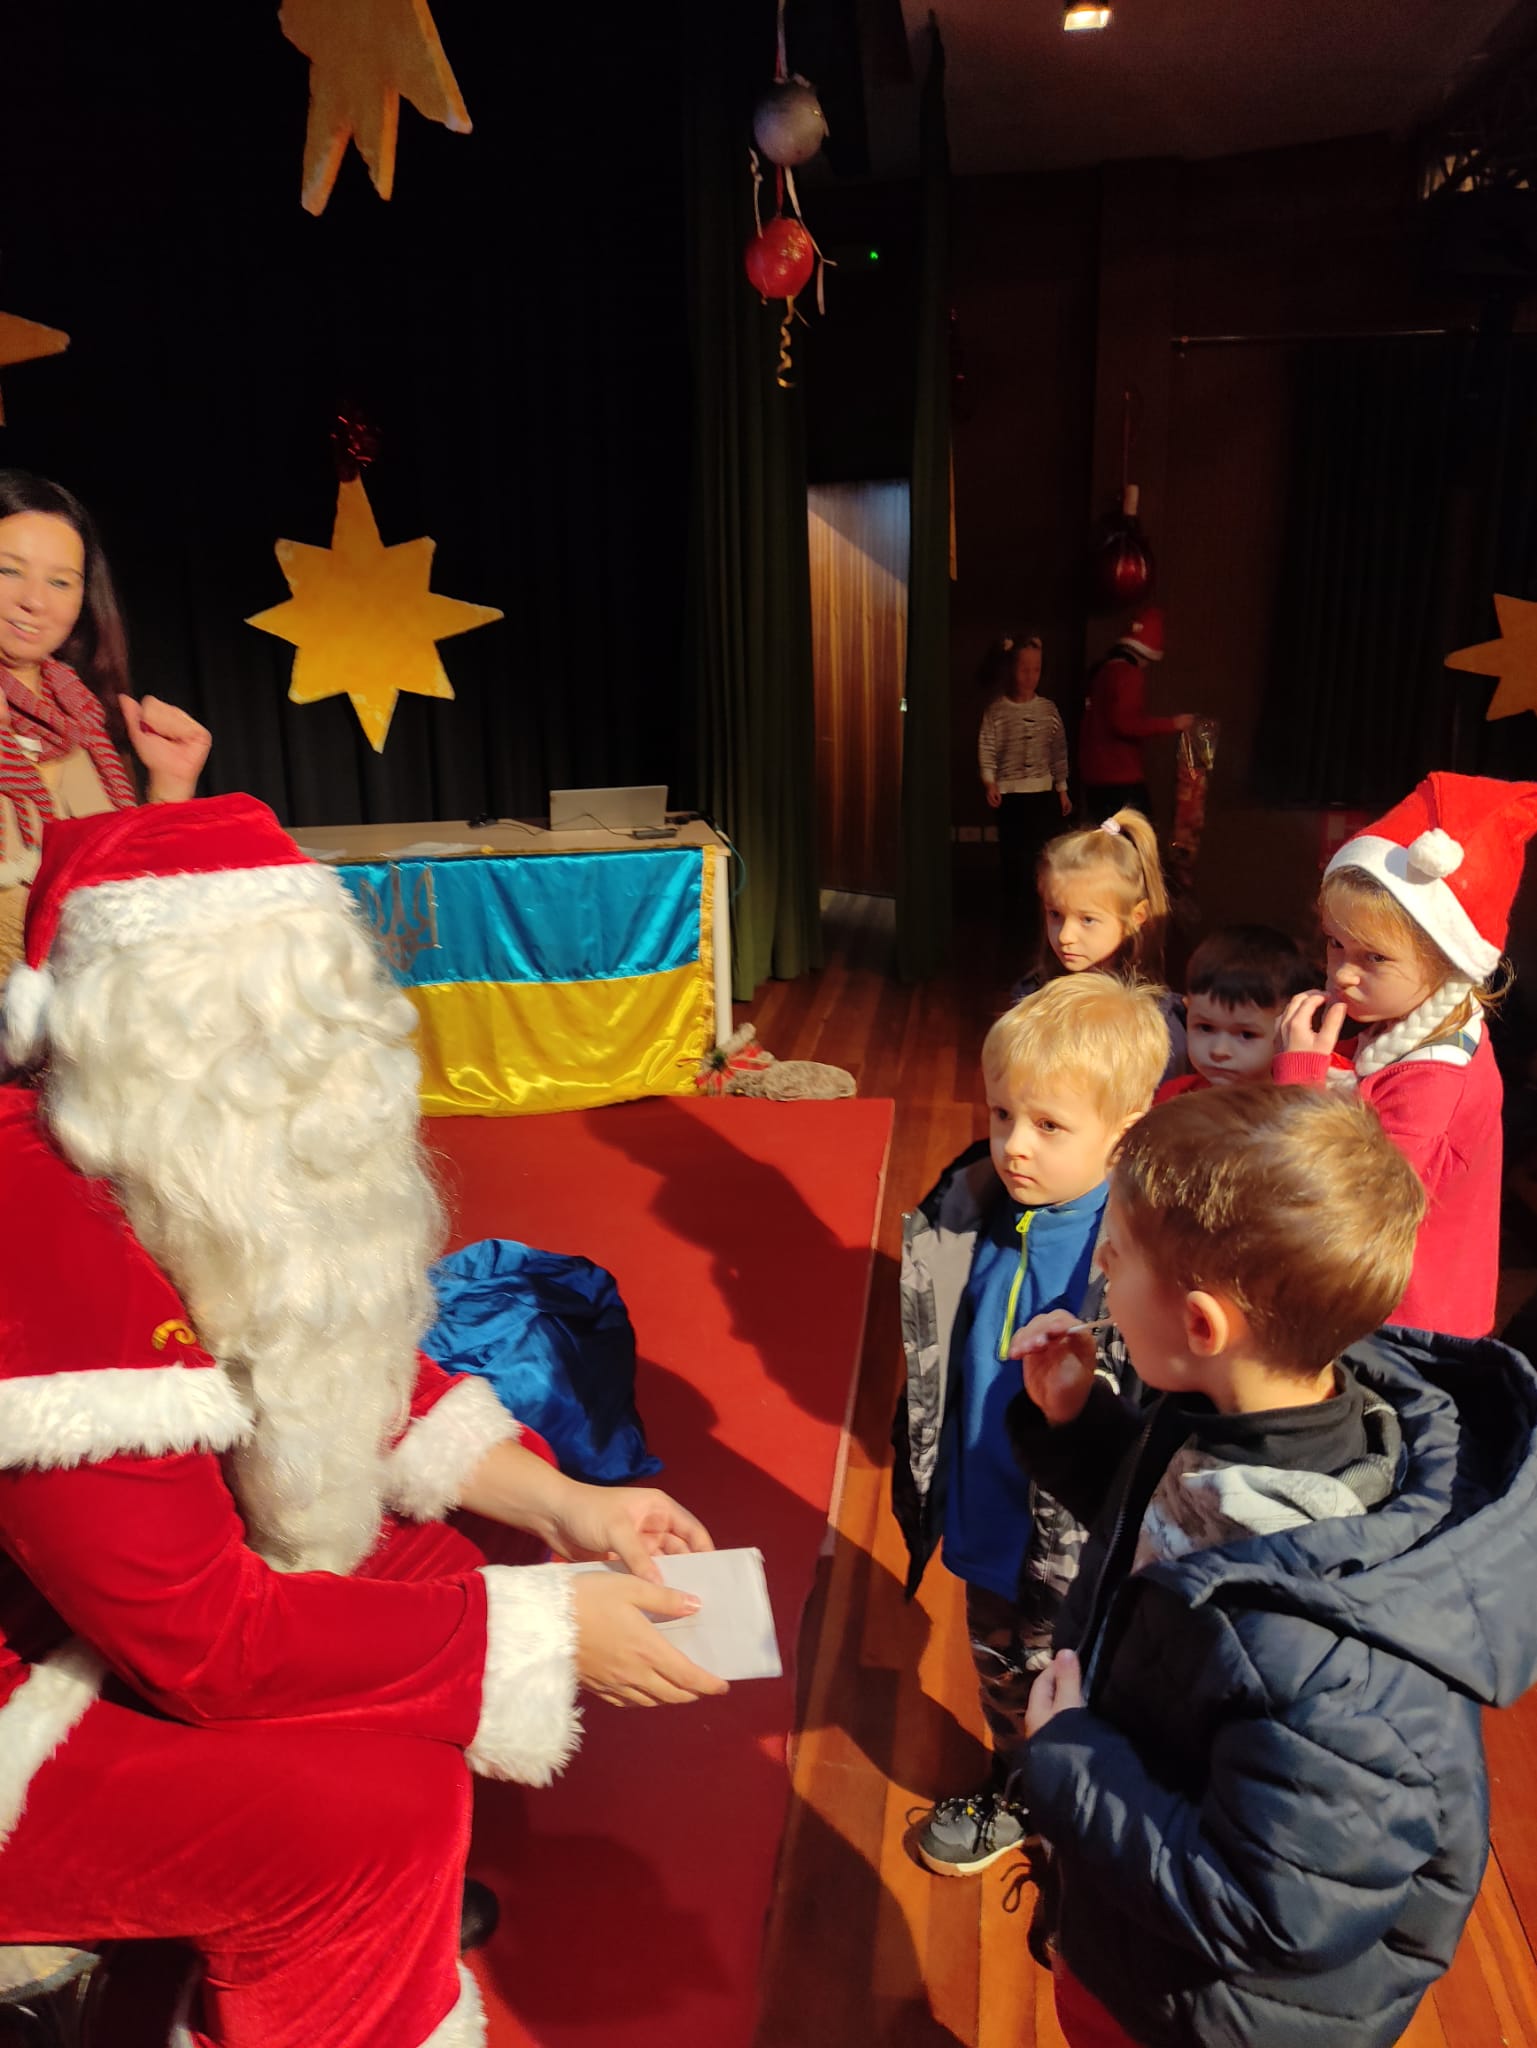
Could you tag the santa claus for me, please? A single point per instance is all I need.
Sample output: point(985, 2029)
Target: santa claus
point(255, 1618)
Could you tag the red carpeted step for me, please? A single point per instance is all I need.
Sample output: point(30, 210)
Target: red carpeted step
point(633, 1892)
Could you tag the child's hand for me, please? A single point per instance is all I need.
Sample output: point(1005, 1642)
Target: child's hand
point(1300, 1028)
point(1059, 1687)
point(994, 795)
point(1058, 1359)
point(624, 1658)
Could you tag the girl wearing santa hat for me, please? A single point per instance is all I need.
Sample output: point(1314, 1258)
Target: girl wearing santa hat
point(1415, 913)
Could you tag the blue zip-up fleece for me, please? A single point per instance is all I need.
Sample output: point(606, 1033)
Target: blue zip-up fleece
point(1269, 1821)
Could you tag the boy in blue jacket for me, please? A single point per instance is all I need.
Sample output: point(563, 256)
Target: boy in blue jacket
point(1009, 1232)
point(1256, 1755)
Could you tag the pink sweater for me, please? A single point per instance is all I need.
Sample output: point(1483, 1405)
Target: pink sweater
point(1441, 1108)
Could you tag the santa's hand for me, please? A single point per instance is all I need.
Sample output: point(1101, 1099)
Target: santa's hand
point(622, 1656)
point(1059, 1687)
point(635, 1524)
point(171, 745)
point(1058, 1356)
point(1303, 1029)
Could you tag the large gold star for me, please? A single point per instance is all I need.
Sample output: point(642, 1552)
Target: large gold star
point(364, 55)
point(1513, 658)
point(363, 618)
point(23, 341)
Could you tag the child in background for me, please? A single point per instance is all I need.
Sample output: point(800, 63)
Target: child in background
point(1259, 1767)
point(1022, 757)
point(1239, 981)
point(1415, 913)
point(1009, 1231)
point(1104, 905)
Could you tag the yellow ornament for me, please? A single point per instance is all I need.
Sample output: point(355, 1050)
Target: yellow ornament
point(23, 341)
point(363, 618)
point(1513, 658)
point(364, 56)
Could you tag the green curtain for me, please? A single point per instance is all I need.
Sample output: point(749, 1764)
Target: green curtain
point(1412, 498)
point(923, 890)
point(747, 649)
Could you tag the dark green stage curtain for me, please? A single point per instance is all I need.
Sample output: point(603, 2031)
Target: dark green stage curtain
point(923, 892)
point(513, 319)
point(748, 599)
point(1412, 498)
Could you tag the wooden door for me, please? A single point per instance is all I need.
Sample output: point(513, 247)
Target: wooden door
point(858, 539)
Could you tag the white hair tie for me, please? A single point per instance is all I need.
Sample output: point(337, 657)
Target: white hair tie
point(1112, 826)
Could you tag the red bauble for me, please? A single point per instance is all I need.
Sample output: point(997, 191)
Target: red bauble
point(780, 259)
point(1123, 566)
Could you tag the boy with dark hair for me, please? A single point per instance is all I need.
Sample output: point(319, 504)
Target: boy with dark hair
point(1239, 981)
point(1259, 1768)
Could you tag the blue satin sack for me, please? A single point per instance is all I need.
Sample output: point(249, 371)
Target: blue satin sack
point(552, 1335)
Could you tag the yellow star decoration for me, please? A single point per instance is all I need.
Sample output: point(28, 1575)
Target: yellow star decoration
point(1513, 658)
point(363, 618)
point(364, 55)
point(23, 341)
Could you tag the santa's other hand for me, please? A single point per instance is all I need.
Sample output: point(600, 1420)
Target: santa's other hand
point(621, 1654)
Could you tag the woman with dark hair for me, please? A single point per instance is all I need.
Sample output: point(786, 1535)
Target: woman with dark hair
point(1022, 756)
point(66, 710)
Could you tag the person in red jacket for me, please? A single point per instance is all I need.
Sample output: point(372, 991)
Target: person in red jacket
point(257, 1622)
point(1415, 913)
point(1116, 722)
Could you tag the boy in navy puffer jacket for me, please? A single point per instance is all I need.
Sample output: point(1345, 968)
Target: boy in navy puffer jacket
point(1256, 1756)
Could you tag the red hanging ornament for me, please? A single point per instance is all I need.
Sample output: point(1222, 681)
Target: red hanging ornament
point(1123, 561)
point(780, 259)
point(1123, 567)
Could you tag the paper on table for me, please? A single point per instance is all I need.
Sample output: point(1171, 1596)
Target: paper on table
point(732, 1635)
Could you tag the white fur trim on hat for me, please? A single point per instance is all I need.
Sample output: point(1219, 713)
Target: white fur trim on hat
point(112, 915)
point(1434, 907)
point(28, 993)
point(530, 1723)
point(426, 1473)
point(49, 1420)
point(40, 1713)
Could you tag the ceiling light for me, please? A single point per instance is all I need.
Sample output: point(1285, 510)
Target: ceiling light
point(1078, 15)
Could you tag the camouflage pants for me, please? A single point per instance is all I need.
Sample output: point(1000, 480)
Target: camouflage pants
point(1011, 1640)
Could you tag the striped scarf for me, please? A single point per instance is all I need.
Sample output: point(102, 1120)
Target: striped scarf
point(60, 719)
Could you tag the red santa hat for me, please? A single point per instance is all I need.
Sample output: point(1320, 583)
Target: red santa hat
point(1451, 853)
point(1144, 635)
point(127, 878)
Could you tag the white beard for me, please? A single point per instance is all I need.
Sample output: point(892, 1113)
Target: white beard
point(255, 1105)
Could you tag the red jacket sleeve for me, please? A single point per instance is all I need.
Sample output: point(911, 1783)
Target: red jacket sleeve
point(1125, 700)
point(146, 1560)
point(1414, 1102)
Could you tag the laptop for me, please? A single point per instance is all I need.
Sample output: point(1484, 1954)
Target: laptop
point(609, 810)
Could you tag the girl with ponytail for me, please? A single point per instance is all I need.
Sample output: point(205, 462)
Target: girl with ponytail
point(1104, 905)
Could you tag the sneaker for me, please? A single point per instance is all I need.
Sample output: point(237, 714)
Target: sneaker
point(965, 1834)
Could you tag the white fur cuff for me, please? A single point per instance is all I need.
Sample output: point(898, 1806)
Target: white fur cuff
point(426, 1473)
point(465, 2024)
point(37, 1717)
point(80, 1418)
point(530, 1723)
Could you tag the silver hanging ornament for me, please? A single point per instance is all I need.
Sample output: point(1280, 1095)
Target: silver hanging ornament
point(788, 124)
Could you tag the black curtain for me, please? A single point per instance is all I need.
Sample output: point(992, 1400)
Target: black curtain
point(748, 630)
point(513, 320)
point(923, 889)
point(1412, 499)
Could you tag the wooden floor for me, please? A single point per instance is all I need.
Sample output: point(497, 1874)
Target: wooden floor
point(864, 1949)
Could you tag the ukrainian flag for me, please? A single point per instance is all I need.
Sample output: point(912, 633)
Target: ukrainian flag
point(550, 981)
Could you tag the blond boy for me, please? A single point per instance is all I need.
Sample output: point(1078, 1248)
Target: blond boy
point(1008, 1233)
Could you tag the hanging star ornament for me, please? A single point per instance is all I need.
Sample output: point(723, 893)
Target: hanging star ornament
point(363, 618)
point(24, 341)
point(365, 56)
point(1513, 658)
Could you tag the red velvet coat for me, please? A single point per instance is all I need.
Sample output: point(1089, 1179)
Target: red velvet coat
point(122, 1547)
